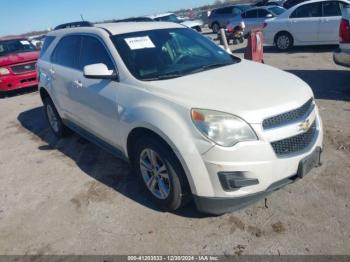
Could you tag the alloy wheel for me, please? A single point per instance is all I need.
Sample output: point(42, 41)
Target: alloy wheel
point(155, 173)
point(283, 42)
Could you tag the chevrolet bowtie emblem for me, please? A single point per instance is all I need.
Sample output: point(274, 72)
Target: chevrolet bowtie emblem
point(304, 126)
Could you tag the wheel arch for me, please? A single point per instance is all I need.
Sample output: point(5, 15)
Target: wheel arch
point(143, 130)
point(44, 93)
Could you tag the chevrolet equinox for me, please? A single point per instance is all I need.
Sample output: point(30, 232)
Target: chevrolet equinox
point(194, 121)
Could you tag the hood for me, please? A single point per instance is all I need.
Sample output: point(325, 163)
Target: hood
point(192, 23)
point(247, 89)
point(16, 58)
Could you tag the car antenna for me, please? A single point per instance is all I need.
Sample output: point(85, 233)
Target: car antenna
point(82, 18)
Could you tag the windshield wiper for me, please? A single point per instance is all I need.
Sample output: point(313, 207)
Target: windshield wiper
point(208, 67)
point(164, 77)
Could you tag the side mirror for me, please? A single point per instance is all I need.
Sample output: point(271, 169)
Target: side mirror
point(99, 71)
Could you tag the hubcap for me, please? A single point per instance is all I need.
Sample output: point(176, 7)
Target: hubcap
point(283, 42)
point(52, 118)
point(154, 173)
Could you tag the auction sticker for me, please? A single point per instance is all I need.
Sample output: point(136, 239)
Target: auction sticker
point(139, 42)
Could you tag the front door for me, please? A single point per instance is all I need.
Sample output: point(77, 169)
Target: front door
point(96, 98)
point(304, 23)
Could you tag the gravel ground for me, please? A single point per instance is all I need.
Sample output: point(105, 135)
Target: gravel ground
point(70, 197)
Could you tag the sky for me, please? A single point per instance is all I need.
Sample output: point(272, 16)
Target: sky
point(21, 16)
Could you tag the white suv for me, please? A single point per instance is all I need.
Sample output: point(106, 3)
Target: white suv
point(193, 120)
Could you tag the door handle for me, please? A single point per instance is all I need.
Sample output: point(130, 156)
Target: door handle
point(52, 72)
point(77, 84)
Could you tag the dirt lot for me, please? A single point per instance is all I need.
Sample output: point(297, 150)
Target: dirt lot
point(70, 197)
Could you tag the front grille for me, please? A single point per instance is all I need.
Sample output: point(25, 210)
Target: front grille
point(288, 117)
point(296, 143)
point(24, 68)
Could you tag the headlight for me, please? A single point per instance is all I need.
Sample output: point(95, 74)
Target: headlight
point(223, 129)
point(4, 71)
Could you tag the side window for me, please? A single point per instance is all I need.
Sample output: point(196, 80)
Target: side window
point(332, 8)
point(67, 51)
point(94, 52)
point(225, 11)
point(251, 14)
point(308, 10)
point(47, 42)
point(262, 13)
point(236, 11)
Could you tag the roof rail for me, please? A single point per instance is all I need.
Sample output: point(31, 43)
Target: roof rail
point(74, 24)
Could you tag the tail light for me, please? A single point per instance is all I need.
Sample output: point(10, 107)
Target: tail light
point(344, 31)
point(230, 29)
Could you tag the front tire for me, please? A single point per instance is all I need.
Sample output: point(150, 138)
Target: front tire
point(284, 41)
point(161, 172)
point(54, 119)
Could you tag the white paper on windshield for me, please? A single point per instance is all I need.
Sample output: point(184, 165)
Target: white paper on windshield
point(139, 42)
point(24, 42)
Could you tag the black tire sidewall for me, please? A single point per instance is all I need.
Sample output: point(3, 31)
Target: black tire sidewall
point(176, 174)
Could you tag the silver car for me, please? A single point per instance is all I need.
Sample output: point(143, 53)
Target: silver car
point(255, 17)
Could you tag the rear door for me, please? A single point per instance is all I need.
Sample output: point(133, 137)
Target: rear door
point(64, 61)
point(329, 29)
point(96, 98)
point(250, 19)
point(304, 22)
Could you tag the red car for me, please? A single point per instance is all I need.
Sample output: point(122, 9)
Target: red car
point(18, 59)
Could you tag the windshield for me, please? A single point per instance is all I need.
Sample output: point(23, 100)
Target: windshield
point(277, 10)
point(169, 53)
point(169, 18)
point(15, 46)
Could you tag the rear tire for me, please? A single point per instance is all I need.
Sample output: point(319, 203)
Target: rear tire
point(161, 173)
point(284, 41)
point(215, 27)
point(54, 120)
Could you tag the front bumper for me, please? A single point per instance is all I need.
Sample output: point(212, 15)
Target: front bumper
point(341, 58)
point(18, 81)
point(217, 205)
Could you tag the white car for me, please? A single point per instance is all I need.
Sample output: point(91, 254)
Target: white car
point(182, 111)
point(313, 22)
point(342, 55)
point(170, 17)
